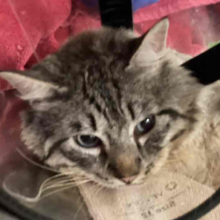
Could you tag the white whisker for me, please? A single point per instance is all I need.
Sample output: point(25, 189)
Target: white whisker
point(35, 163)
point(60, 190)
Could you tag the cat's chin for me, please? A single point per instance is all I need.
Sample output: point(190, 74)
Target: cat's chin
point(118, 185)
point(124, 186)
point(132, 185)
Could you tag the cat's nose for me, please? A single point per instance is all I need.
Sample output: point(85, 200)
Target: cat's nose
point(125, 167)
point(129, 179)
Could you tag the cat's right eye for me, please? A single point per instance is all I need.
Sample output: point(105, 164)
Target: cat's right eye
point(146, 125)
point(88, 141)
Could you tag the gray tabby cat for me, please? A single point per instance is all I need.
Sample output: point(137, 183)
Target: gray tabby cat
point(117, 109)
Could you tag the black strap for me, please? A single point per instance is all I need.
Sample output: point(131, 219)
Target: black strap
point(116, 13)
point(203, 209)
point(206, 66)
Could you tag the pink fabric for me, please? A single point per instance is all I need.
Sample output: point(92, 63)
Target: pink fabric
point(167, 7)
point(26, 25)
point(10, 107)
point(42, 25)
point(188, 30)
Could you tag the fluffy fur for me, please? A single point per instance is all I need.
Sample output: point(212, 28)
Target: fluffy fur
point(104, 83)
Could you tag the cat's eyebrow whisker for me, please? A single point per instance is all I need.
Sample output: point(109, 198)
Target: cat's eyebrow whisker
point(34, 162)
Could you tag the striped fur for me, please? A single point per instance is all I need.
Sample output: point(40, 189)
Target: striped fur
point(104, 83)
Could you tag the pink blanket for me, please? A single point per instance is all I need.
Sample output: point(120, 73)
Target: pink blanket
point(31, 29)
point(42, 25)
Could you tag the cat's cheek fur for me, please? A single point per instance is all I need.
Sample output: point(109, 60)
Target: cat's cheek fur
point(58, 160)
point(155, 156)
point(31, 140)
point(159, 161)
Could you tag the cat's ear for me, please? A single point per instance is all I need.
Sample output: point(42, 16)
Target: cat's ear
point(151, 44)
point(29, 85)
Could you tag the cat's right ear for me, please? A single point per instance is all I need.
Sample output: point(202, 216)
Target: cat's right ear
point(29, 85)
point(149, 47)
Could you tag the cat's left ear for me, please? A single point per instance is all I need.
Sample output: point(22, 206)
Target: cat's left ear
point(29, 84)
point(151, 44)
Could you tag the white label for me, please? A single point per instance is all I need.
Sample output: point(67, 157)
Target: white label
point(162, 198)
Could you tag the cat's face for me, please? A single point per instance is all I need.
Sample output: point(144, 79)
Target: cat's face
point(107, 106)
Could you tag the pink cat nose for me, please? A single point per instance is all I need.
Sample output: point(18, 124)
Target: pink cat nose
point(129, 179)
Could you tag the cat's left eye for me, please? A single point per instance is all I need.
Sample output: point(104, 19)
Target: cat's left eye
point(88, 141)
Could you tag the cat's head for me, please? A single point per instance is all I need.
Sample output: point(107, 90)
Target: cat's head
point(108, 105)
